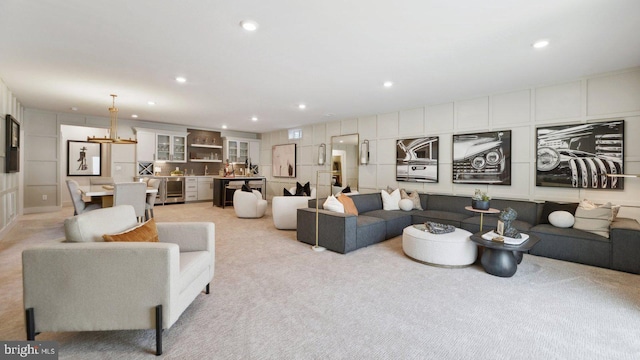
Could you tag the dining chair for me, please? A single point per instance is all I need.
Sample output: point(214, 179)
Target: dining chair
point(131, 193)
point(79, 205)
point(231, 186)
point(151, 198)
point(102, 180)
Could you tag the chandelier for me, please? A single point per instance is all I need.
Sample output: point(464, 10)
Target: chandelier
point(113, 139)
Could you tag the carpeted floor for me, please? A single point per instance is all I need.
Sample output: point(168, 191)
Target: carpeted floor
point(274, 298)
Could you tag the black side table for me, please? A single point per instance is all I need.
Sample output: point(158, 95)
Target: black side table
point(502, 259)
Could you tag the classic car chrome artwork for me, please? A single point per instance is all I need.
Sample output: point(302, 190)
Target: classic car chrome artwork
point(483, 158)
point(581, 156)
point(417, 159)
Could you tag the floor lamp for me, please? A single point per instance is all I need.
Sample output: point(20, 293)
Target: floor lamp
point(317, 247)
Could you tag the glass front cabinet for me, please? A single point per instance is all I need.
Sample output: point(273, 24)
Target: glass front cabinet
point(238, 150)
point(171, 147)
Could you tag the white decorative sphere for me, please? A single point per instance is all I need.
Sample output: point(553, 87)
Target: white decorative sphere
point(561, 219)
point(405, 204)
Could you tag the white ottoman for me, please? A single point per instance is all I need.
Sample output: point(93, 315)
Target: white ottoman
point(453, 249)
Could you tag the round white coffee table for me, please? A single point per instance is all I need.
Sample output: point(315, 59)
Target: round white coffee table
point(453, 249)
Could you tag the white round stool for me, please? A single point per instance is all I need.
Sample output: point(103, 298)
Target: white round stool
point(453, 249)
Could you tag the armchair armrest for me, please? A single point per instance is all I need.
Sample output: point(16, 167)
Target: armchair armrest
point(101, 286)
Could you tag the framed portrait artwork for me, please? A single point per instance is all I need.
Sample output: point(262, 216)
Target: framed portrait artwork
point(12, 163)
point(417, 159)
point(83, 158)
point(482, 158)
point(581, 156)
point(284, 161)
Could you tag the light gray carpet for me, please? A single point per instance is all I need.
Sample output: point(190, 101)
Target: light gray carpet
point(274, 298)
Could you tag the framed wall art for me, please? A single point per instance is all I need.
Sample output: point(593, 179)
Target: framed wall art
point(482, 158)
point(12, 145)
point(83, 158)
point(417, 159)
point(284, 161)
point(580, 156)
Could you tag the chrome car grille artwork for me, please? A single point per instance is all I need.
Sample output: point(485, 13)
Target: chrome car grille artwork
point(482, 158)
point(581, 156)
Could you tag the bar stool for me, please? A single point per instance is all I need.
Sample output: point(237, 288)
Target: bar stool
point(233, 186)
point(257, 185)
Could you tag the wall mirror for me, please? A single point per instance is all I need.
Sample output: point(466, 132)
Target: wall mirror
point(344, 162)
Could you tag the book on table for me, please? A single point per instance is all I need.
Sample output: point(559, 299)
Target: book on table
point(507, 240)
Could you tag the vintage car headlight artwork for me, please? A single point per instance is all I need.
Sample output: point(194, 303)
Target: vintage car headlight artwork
point(480, 158)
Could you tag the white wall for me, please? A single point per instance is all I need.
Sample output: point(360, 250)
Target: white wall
point(607, 96)
point(10, 194)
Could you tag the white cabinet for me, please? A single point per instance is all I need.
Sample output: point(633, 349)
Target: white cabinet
point(191, 189)
point(205, 188)
point(146, 146)
point(171, 147)
point(238, 150)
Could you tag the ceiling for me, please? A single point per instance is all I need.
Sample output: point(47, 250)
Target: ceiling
point(331, 55)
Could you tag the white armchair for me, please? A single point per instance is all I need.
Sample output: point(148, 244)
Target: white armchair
point(249, 204)
point(285, 209)
point(85, 284)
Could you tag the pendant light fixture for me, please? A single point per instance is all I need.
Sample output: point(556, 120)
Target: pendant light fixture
point(113, 138)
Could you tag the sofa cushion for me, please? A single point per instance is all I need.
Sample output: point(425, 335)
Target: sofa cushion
point(550, 206)
point(395, 221)
point(146, 232)
point(390, 201)
point(369, 230)
point(349, 206)
point(444, 217)
point(472, 224)
point(367, 202)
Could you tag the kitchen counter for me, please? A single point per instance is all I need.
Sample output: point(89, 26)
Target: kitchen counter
point(219, 183)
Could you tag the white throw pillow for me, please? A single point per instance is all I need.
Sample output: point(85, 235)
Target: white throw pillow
point(332, 204)
point(390, 201)
point(596, 220)
point(406, 204)
point(561, 219)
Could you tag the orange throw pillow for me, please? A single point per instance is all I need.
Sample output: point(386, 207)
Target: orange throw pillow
point(349, 206)
point(147, 232)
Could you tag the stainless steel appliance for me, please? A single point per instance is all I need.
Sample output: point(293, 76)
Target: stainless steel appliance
point(175, 189)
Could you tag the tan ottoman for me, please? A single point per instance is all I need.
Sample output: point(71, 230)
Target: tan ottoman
point(453, 249)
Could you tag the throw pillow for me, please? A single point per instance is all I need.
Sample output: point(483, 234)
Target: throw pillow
point(348, 204)
point(596, 220)
point(286, 192)
point(390, 189)
point(414, 197)
point(246, 188)
point(332, 204)
point(550, 206)
point(346, 190)
point(303, 190)
point(146, 232)
point(390, 201)
point(562, 219)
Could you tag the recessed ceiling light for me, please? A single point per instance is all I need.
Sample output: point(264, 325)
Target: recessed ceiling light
point(224, 126)
point(181, 79)
point(541, 44)
point(329, 114)
point(302, 106)
point(134, 116)
point(254, 118)
point(249, 25)
point(74, 108)
point(388, 84)
point(151, 102)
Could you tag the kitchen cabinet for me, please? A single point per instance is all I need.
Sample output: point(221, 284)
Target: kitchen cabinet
point(238, 150)
point(205, 188)
point(146, 146)
point(171, 147)
point(191, 189)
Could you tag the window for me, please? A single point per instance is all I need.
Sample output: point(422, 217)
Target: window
point(295, 134)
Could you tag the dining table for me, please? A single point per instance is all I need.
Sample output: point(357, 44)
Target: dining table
point(105, 193)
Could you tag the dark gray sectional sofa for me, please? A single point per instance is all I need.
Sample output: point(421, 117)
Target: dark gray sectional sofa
point(344, 233)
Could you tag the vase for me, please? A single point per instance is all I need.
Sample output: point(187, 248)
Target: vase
point(480, 204)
